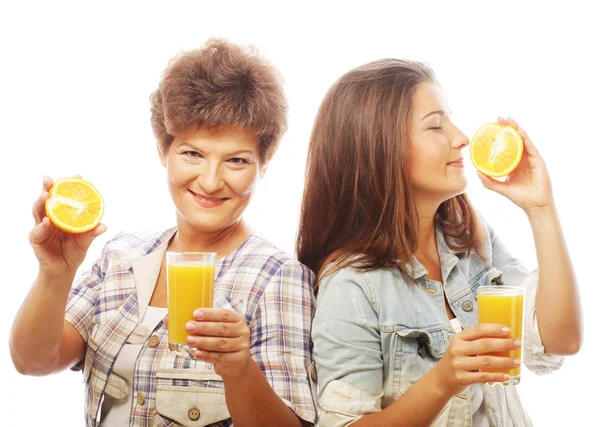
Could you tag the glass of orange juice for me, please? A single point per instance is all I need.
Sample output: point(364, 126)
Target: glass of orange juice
point(503, 305)
point(190, 285)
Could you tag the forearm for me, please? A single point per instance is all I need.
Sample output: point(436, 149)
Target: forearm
point(557, 300)
point(37, 330)
point(419, 406)
point(252, 402)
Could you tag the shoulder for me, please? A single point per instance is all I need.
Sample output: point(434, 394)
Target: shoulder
point(371, 281)
point(491, 241)
point(136, 244)
point(353, 283)
point(259, 255)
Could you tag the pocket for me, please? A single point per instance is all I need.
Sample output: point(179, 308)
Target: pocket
point(415, 352)
point(191, 397)
point(490, 277)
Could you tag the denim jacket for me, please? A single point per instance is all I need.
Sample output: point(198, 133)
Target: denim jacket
point(375, 335)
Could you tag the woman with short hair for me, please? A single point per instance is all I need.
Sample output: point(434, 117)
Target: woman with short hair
point(218, 116)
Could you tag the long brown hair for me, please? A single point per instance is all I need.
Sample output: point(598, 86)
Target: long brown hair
point(358, 208)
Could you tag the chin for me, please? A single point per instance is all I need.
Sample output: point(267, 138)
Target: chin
point(454, 193)
point(204, 222)
point(460, 187)
point(208, 227)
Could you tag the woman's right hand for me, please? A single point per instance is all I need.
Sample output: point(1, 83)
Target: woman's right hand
point(58, 252)
point(468, 354)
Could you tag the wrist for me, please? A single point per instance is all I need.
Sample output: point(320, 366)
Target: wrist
point(238, 376)
point(439, 387)
point(62, 279)
point(540, 211)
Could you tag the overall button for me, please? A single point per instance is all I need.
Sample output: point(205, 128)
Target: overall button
point(140, 399)
point(194, 414)
point(467, 305)
point(153, 342)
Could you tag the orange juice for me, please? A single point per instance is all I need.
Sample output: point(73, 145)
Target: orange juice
point(503, 305)
point(190, 286)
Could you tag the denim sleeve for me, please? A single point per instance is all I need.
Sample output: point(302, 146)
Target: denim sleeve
point(514, 273)
point(347, 350)
point(513, 270)
point(534, 354)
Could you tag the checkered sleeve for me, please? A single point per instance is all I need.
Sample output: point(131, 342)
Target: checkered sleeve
point(83, 296)
point(280, 336)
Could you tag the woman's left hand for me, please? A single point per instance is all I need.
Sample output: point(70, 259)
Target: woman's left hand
point(221, 337)
point(528, 186)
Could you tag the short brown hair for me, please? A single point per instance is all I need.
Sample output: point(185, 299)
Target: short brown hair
point(220, 84)
point(358, 207)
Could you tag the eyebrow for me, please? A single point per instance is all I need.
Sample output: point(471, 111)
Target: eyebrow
point(228, 154)
point(241, 152)
point(440, 112)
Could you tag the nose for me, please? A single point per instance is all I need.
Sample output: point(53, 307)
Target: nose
point(210, 177)
point(459, 140)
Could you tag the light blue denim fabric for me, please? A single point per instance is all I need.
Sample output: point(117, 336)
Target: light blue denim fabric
point(375, 335)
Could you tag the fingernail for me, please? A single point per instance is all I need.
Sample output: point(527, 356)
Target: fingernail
point(198, 314)
point(189, 326)
point(518, 343)
point(506, 330)
point(506, 377)
point(517, 362)
point(191, 340)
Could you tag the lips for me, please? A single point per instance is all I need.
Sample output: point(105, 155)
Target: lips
point(459, 162)
point(208, 202)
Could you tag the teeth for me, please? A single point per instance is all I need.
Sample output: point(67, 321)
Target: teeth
point(204, 199)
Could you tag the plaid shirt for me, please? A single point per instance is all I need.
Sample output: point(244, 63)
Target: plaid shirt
point(270, 288)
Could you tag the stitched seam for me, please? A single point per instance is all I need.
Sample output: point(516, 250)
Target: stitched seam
point(371, 293)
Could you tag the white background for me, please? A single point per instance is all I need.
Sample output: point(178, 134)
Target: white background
point(74, 86)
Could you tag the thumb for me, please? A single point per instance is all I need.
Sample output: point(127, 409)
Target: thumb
point(41, 232)
point(493, 184)
point(86, 239)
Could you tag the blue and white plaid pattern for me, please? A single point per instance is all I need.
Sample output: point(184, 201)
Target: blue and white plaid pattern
point(270, 288)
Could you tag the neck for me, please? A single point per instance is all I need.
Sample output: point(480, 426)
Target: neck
point(190, 239)
point(427, 241)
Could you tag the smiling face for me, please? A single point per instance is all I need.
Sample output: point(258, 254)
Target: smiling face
point(436, 158)
point(212, 174)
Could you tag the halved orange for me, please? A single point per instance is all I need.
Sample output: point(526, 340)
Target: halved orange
point(74, 205)
point(496, 149)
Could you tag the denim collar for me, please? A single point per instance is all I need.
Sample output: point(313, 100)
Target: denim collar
point(448, 258)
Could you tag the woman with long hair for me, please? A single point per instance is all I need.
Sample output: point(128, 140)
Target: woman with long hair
point(399, 252)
